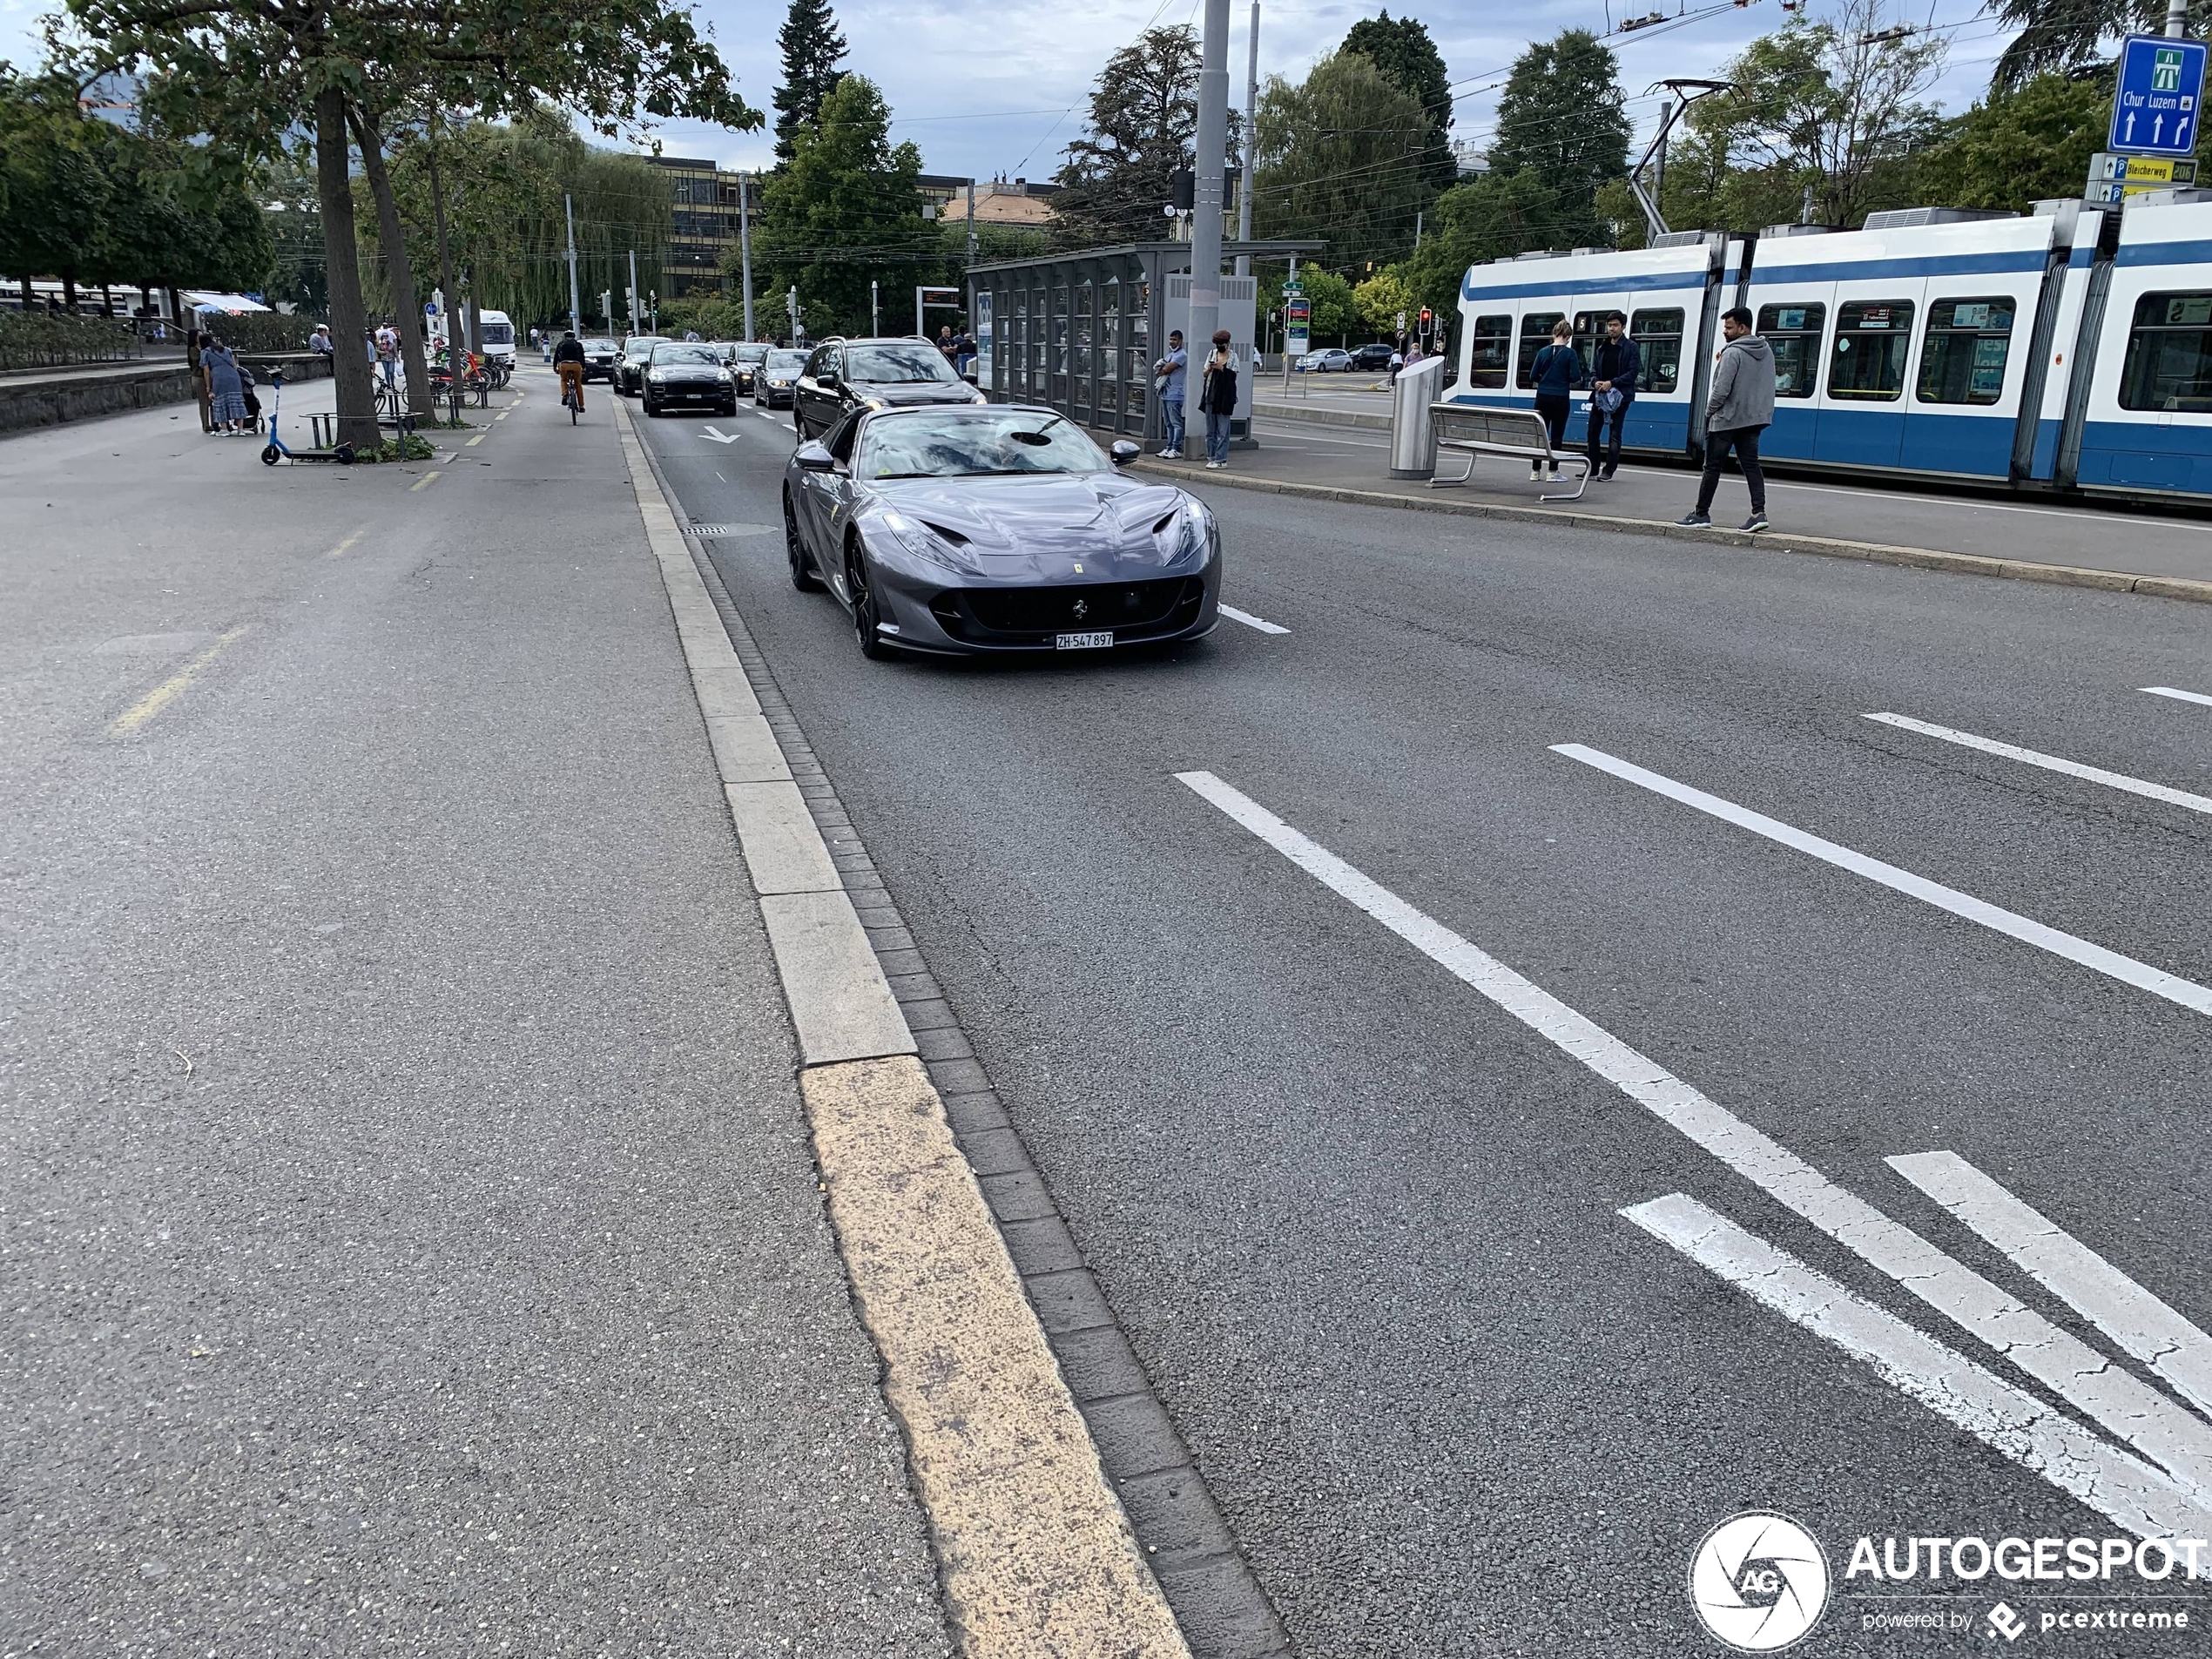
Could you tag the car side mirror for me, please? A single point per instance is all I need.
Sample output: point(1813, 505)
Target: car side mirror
point(1125, 452)
point(827, 378)
point(813, 457)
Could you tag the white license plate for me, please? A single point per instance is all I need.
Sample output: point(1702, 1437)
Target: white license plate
point(1081, 642)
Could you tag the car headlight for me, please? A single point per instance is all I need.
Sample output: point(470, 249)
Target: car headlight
point(923, 543)
point(722, 374)
point(874, 403)
point(657, 374)
point(978, 396)
point(1196, 532)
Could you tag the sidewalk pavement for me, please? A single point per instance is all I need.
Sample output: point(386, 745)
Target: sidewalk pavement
point(414, 1242)
point(2026, 538)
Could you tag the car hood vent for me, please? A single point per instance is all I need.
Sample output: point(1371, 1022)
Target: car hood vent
point(945, 532)
point(1166, 520)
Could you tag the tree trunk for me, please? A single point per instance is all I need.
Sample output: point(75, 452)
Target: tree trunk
point(341, 259)
point(404, 298)
point(68, 293)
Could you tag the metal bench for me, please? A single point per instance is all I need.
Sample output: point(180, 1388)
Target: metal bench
point(1477, 430)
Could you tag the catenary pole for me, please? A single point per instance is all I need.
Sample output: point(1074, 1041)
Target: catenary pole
point(745, 250)
point(633, 290)
point(1252, 141)
point(576, 313)
point(2177, 18)
point(1206, 198)
point(876, 317)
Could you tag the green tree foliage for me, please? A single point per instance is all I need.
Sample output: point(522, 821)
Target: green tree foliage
point(1340, 157)
point(843, 212)
point(1382, 296)
point(1400, 47)
point(2016, 148)
point(1332, 298)
point(2071, 36)
point(1493, 217)
point(93, 202)
point(1819, 104)
point(1144, 124)
point(813, 50)
point(504, 184)
point(1562, 115)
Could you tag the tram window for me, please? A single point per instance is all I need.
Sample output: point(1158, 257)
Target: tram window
point(1491, 338)
point(1872, 339)
point(1964, 359)
point(2169, 354)
point(1536, 334)
point(1658, 335)
point(1794, 334)
point(1589, 329)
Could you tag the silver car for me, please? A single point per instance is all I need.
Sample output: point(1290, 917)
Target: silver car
point(995, 528)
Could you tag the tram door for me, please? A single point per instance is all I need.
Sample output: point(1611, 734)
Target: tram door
point(1870, 359)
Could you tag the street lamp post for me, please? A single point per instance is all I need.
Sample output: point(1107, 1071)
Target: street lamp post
point(745, 251)
point(1251, 143)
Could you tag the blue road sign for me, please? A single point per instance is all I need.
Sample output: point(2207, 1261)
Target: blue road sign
point(2162, 85)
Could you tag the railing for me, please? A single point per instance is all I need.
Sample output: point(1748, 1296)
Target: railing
point(28, 340)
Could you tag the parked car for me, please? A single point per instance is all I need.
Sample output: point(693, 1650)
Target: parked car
point(1376, 355)
point(1334, 361)
point(745, 359)
point(847, 374)
point(629, 364)
point(994, 528)
point(688, 371)
point(773, 382)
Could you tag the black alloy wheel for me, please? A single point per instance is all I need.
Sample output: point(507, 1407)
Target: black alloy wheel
point(865, 617)
point(802, 570)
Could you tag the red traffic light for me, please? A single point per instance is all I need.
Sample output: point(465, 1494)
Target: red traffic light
point(1426, 316)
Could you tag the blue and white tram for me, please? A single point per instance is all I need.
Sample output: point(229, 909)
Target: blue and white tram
point(2070, 350)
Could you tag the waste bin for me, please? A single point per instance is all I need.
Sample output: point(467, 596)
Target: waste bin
point(1413, 434)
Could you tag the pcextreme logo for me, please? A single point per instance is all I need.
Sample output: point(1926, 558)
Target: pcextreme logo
point(1759, 1581)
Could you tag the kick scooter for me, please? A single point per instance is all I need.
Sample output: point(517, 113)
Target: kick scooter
point(278, 450)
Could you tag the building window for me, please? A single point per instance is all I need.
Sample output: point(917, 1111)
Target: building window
point(1794, 333)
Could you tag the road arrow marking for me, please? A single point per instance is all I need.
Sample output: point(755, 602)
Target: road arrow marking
point(719, 437)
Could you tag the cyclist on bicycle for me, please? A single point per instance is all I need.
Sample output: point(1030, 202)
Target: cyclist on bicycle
point(568, 363)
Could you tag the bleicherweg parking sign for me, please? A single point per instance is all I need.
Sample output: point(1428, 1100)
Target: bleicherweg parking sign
point(2161, 86)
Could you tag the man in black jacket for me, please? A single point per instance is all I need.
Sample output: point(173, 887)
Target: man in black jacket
point(568, 363)
point(1619, 362)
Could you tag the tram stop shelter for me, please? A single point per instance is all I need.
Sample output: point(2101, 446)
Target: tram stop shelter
point(1081, 331)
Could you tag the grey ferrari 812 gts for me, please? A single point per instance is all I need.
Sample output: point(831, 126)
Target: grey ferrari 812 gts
point(992, 528)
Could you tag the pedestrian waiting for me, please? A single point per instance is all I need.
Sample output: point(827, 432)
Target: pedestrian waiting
point(1170, 374)
point(1554, 372)
point(1217, 398)
point(1613, 378)
point(1738, 408)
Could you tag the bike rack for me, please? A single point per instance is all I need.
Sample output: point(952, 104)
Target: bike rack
point(324, 428)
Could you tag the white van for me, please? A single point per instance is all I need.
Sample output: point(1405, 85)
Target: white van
point(499, 337)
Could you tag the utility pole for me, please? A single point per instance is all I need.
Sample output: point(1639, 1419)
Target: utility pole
point(1417, 230)
point(633, 290)
point(1659, 151)
point(2177, 18)
point(875, 319)
point(575, 315)
point(1207, 202)
point(971, 221)
point(791, 305)
point(607, 307)
point(1252, 144)
point(745, 250)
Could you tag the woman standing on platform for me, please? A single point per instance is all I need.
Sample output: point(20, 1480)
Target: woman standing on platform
point(1555, 372)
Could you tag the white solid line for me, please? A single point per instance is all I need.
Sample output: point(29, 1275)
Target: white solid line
point(1249, 620)
point(2051, 763)
point(2128, 1407)
point(2009, 1422)
point(2185, 992)
point(2091, 1286)
point(2185, 696)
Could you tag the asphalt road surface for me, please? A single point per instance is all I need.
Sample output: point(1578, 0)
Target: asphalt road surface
point(1300, 1044)
point(411, 1242)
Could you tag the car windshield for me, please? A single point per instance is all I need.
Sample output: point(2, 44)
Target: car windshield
point(642, 345)
point(974, 442)
point(753, 353)
point(898, 365)
point(786, 362)
point(685, 354)
point(598, 345)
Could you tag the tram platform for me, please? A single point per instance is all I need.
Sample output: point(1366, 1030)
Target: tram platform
point(2118, 547)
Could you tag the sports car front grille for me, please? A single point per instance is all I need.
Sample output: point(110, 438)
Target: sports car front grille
point(1031, 615)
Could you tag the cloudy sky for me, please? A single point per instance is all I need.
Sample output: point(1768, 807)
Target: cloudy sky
point(985, 91)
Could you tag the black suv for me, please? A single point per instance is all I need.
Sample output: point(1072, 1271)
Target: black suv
point(1370, 358)
point(847, 374)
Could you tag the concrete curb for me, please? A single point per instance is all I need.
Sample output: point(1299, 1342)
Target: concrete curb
point(1037, 1553)
point(1918, 558)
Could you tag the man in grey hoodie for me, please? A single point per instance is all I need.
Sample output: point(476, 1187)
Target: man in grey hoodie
point(1739, 407)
